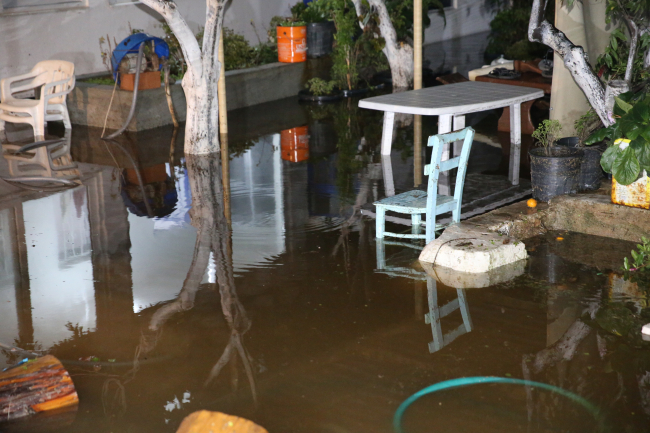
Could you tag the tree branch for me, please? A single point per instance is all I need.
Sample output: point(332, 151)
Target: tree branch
point(634, 42)
point(575, 58)
point(182, 31)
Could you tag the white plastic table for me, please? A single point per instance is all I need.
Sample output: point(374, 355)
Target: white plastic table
point(450, 103)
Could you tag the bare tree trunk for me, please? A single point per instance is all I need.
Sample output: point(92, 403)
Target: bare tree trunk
point(200, 80)
point(575, 58)
point(399, 55)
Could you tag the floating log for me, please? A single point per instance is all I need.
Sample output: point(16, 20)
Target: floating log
point(205, 421)
point(39, 385)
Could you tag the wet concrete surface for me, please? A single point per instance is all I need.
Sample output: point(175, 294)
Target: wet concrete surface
point(286, 318)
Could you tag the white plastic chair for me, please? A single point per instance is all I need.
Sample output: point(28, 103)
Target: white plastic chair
point(55, 79)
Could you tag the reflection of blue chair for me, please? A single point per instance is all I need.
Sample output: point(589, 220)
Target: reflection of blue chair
point(417, 202)
point(435, 313)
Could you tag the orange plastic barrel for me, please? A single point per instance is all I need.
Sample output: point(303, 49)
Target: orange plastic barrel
point(292, 44)
point(294, 144)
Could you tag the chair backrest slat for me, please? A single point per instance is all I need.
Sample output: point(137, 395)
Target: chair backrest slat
point(437, 142)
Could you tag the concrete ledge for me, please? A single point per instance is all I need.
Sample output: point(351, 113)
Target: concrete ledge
point(591, 214)
point(88, 103)
point(485, 242)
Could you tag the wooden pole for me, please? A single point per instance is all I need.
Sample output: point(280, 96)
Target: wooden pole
point(223, 130)
point(417, 44)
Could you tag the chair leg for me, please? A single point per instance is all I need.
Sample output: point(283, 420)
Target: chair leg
point(416, 220)
point(455, 214)
point(380, 222)
point(431, 227)
point(66, 118)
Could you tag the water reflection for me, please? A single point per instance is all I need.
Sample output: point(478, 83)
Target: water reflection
point(408, 270)
point(213, 244)
point(45, 164)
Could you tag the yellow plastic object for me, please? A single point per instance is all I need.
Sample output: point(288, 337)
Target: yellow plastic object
point(636, 194)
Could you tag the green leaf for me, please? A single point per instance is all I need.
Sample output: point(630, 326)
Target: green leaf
point(608, 158)
point(598, 136)
point(641, 112)
point(624, 105)
point(642, 150)
point(614, 43)
point(626, 167)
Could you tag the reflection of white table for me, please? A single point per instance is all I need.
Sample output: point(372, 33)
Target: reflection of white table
point(450, 103)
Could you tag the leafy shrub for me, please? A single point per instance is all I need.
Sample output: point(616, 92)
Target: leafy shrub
point(547, 133)
point(320, 87)
point(632, 113)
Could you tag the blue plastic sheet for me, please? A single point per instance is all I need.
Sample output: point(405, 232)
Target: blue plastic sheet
point(132, 43)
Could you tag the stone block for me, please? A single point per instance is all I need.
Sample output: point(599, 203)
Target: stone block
point(473, 249)
point(466, 280)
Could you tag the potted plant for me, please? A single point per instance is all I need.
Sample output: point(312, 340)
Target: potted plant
point(292, 41)
point(628, 156)
point(319, 90)
point(320, 29)
point(554, 170)
point(591, 173)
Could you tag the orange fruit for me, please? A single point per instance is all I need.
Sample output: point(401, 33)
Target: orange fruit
point(559, 238)
point(531, 202)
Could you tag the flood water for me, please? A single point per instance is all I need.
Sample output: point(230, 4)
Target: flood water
point(291, 318)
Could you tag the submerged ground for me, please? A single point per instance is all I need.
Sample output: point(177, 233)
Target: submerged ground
point(294, 321)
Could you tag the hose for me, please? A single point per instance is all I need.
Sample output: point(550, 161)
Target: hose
point(465, 381)
point(138, 63)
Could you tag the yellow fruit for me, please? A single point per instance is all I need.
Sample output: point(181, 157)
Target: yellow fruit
point(531, 202)
point(559, 238)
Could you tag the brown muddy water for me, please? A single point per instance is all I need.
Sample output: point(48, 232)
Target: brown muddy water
point(160, 310)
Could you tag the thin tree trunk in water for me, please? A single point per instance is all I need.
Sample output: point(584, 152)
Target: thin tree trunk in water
point(399, 55)
point(575, 58)
point(200, 80)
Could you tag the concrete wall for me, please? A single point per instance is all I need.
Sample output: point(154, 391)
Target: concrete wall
point(468, 17)
point(87, 103)
point(73, 34)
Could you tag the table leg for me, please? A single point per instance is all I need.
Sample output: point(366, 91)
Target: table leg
point(515, 143)
point(387, 169)
point(444, 180)
point(459, 123)
point(527, 126)
point(387, 133)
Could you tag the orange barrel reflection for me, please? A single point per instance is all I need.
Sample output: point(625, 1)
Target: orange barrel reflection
point(294, 144)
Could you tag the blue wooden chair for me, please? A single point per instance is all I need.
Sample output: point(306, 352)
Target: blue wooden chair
point(418, 202)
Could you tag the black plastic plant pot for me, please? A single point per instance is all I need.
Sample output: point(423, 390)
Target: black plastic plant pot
point(307, 96)
point(354, 92)
point(555, 171)
point(591, 173)
point(320, 38)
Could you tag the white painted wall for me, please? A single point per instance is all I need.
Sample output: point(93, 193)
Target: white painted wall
point(74, 34)
point(467, 18)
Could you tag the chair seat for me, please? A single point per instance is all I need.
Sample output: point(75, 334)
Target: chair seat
point(412, 202)
point(19, 103)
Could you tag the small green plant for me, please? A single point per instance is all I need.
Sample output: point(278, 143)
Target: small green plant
point(640, 257)
point(547, 133)
point(625, 161)
point(586, 124)
point(320, 87)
